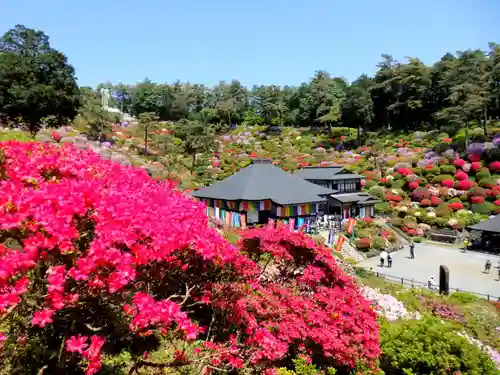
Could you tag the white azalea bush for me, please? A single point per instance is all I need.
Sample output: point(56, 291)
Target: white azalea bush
point(388, 306)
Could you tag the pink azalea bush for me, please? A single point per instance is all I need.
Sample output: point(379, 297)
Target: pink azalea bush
point(98, 258)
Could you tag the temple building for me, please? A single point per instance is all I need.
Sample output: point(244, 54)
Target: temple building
point(260, 192)
point(347, 200)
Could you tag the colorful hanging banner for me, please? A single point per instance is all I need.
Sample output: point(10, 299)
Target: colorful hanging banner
point(248, 206)
point(256, 206)
point(292, 224)
point(243, 219)
point(350, 225)
point(298, 210)
point(264, 205)
point(340, 243)
point(271, 222)
point(233, 206)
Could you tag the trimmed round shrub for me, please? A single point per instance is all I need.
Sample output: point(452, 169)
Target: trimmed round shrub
point(461, 176)
point(494, 166)
point(382, 208)
point(482, 174)
point(485, 208)
point(377, 191)
point(363, 244)
point(464, 184)
point(420, 193)
point(378, 243)
point(370, 183)
point(475, 165)
point(487, 183)
point(477, 191)
point(448, 169)
point(442, 177)
point(455, 206)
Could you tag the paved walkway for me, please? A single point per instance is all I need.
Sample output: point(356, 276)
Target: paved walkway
point(466, 269)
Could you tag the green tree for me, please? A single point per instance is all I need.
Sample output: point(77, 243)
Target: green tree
point(36, 80)
point(357, 108)
point(96, 119)
point(196, 137)
point(147, 120)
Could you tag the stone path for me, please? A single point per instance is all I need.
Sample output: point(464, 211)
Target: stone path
point(466, 269)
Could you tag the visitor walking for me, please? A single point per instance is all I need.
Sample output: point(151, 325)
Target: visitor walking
point(487, 266)
point(412, 251)
point(431, 284)
point(466, 244)
point(389, 260)
point(383, 257)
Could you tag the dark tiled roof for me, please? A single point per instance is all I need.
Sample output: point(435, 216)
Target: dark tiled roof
point(355, 198)
point(325, 173)
point(262, 180)
point(490, 225)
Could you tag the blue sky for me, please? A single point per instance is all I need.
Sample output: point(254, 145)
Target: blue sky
point(256, 41)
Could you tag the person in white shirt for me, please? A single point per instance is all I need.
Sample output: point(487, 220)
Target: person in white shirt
point(431, 283)
point(383, 257)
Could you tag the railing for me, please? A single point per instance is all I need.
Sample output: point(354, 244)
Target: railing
point(419, 284)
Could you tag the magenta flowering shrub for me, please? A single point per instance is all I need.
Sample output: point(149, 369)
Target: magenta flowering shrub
point(99, 258)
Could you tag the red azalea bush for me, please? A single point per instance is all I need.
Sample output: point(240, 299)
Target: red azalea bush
point(426, 202)
point(393, 198)
point(56, 136)
point(420, 193)
point(447, 183)
point(474, 158)
point(456, 206)
point(459, 163)
point(477, 199)
point(464, 184)
point(363, 243)
point(475, 165)
point(413, 185)
point(99, 258)
point(495, 166)
point(435, 201)
point(461, 176)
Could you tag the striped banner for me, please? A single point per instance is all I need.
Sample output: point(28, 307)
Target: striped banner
point(233, 206)
point(248, 206)
point(340, 243)
point(256, 206)
point(264, 205)
point(299, 210)
point(292, 225)
point(350, 225)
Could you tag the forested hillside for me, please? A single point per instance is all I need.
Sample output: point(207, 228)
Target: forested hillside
point(402, 95)
point(38, 86)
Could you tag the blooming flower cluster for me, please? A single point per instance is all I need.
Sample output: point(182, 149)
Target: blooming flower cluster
point(105, 246)
point(388, 306)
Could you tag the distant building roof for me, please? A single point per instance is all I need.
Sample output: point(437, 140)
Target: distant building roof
point(355, 198)
point(325, 173)
point(490, 225)
point(262, 180)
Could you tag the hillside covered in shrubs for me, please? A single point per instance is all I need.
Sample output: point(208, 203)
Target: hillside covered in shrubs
point(90, 284)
